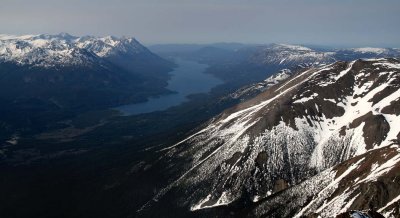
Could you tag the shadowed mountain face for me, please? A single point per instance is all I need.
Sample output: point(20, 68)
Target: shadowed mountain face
point(291, 135)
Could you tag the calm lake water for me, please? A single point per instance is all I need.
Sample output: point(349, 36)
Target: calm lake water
point(188, 78)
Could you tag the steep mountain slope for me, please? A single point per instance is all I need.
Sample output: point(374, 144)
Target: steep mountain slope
point(299, 128)
point(370, 181)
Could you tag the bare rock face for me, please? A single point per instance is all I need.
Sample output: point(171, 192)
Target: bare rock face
point(322, 142)
point(375, 128)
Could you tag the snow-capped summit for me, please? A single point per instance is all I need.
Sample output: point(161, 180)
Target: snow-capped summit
point(110, 45)
point(63, 49)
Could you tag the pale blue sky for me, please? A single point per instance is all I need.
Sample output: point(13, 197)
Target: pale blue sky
point(324, 22)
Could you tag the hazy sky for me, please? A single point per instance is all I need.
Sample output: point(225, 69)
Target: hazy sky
point(329, 22)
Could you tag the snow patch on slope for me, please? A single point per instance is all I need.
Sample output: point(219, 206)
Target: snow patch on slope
point(370, 50)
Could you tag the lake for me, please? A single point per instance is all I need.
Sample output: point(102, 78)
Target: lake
point(186, 79)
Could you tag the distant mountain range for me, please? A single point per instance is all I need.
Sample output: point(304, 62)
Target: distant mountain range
point(275, 53)
point(66, 50)
point(284, 54)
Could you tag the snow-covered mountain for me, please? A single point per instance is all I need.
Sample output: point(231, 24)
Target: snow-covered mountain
point(64, 49)
point(110, 45)
point(284, 54)
point(321, 142)
point(292, 55)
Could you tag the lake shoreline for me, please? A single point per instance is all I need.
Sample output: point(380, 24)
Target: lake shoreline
point(188, 78)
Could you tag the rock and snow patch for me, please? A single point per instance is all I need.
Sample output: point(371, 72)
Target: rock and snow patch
point(257, 88)
point(305, 99)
